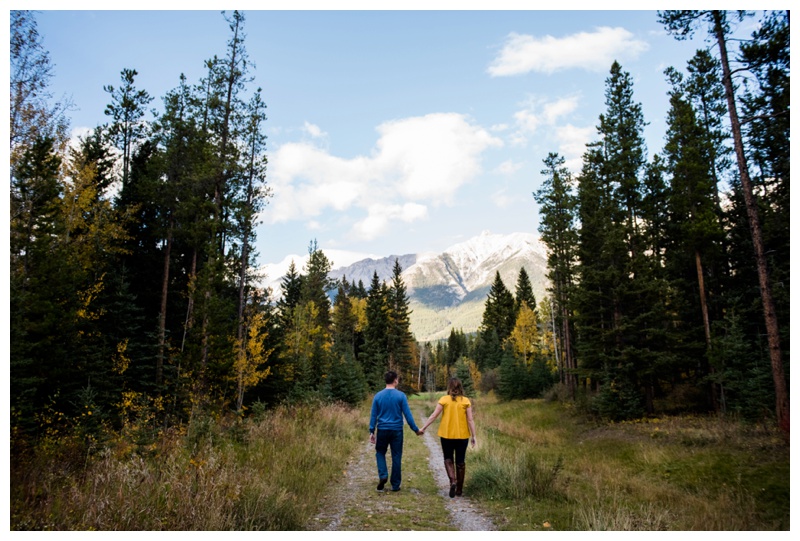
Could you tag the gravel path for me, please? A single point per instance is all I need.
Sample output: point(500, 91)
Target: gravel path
point(357, 487)
point(358, 478)
point(465, 516)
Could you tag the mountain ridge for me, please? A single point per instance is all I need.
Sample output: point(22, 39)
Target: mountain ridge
point(448, 290)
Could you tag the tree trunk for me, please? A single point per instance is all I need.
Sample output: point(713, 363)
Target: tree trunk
point(162, 316)
point(770, 317)
point(706, 326)
point(190, 307)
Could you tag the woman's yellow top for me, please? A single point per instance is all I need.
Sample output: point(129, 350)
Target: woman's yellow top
point(454, 418)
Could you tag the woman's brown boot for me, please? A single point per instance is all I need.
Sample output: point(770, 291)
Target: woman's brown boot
point(450, 468)
point(460, 471)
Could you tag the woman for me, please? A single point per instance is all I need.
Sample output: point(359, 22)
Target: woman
point(456, 430)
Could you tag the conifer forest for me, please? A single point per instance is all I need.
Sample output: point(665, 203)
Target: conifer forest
point(135, 299)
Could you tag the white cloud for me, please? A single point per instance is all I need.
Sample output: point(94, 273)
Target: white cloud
point(554, 110)
point(313, 130)
point(572, 144)
point(380, 216)
point(432, 155)
point(592, 51)
point(420, 159)
point(539, 112)
point(501, 199)
point(508, 167)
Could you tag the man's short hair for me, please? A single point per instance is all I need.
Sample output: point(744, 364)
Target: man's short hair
point(390, 376)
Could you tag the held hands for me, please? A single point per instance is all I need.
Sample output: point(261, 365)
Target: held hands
point(420, 432)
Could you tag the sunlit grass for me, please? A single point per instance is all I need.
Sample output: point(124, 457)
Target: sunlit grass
point(682, 473)
point(264, 475)
point(537, 466)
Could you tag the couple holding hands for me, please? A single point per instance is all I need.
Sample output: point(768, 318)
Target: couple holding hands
point(456, 430)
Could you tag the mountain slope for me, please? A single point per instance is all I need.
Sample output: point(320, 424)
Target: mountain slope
point(449, 290)
point(446, 290)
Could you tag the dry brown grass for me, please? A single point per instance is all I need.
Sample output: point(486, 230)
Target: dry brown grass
point(254, 476)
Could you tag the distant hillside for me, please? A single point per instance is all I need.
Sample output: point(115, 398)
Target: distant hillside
point(449, 290)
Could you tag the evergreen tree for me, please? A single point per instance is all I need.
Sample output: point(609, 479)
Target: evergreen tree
point(374, 356)
point(558, 209)
point(456, 347)
point(499, 312)
point(316, 284)
point(35, 287)
point(694, 227)
point(496, 325)
point(681, 23)
point(399, 339)
point(347, 383)
point(359, 291)
point(617, 292)
point(126, 111)
point(766, 106)
point(291, 290)
point(524, 291)
point(344, 322)
point(463, 373)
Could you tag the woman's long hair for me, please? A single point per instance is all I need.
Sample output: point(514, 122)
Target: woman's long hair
point(455, 388)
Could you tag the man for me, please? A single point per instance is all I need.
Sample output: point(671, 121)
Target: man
point(388, 409)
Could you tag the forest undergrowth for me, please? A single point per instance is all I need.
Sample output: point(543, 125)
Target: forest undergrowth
point(538, 465)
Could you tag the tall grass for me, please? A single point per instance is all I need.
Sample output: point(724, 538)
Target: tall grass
point(512, 473)
point(253, 475)
point(539, 465)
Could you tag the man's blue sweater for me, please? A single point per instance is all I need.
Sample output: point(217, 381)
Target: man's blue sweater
point(388, 408)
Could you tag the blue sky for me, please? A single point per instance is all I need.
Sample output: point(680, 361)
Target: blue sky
point(390, 132)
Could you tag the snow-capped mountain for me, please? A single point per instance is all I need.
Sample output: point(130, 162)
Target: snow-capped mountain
point(448, 290)
point(470, 266)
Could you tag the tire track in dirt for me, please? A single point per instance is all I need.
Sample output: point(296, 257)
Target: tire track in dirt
point(463, 513)
point(357, 478)
point(356, 490)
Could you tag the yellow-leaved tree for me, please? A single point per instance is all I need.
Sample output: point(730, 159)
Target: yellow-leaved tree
point(251, 355)
point(524, 337)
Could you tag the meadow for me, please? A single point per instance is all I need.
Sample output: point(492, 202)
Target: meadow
point(538, 465)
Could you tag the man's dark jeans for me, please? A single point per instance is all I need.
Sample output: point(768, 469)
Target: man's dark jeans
point(383, 440)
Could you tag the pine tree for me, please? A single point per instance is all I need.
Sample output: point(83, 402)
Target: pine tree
point(681, 24)
point(558, 209)
point(316, 284)
point(374, 356)
point(694, 227)
point(617, 293)
point(524, 291)
point(35, 226)
point(463, 373)
point(126, 111)
point(499, 312)
point(291, 288)
point(496, 325)
point(399, 339)
point(344, 323)
point(765, 106)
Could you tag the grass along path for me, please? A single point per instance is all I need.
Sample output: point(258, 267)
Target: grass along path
point(353, 503)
